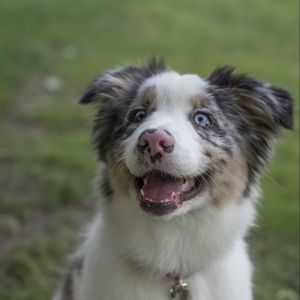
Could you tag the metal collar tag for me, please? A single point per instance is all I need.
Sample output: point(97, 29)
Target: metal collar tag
point(179, 291)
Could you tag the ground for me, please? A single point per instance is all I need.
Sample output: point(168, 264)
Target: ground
point(49, 52)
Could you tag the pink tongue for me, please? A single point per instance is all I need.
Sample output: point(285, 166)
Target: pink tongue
point(158, 188)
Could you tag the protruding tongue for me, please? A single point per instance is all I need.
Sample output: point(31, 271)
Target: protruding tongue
point(158, 187)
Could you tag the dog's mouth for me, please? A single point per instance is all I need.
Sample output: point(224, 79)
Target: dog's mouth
point(160, 193)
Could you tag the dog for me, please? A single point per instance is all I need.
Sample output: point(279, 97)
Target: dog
point(182, 156)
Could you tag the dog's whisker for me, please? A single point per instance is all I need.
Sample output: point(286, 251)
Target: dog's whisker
point(229, 174)
point(273, 181)
point(126, 120)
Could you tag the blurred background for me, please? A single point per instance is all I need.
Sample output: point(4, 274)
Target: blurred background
point(49, 51)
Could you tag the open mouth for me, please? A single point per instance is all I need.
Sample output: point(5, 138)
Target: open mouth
point(160, 193)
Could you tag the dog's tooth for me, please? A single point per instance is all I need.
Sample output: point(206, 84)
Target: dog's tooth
point(142, 192)
point(173, 195)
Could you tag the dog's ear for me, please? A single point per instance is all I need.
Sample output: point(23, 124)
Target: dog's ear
point(257, 110)
point(111, 85)
point(114, 84)
point(259, 101)
point(112, 92)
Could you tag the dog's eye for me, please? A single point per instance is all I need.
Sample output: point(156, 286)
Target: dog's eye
point(201, 120)
point(137, 116)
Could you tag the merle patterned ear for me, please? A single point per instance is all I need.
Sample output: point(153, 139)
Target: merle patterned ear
point(113, 91)
point(111, 85)
point(114, 84)
point(257, 110)
point(258, 99)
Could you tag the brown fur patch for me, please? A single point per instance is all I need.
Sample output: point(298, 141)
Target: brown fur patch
point(230, 176)
point(198, 100)
point(231, 179)
point(118, 175)
point(148, 97)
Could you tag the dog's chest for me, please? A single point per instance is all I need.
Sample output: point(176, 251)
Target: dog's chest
point(107, 276)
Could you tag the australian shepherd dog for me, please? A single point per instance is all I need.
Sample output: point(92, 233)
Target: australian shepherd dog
point(181, 158)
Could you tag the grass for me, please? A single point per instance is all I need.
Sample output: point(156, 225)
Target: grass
point(51, 49)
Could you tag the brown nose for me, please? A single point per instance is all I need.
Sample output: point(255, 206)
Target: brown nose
point(156, 141)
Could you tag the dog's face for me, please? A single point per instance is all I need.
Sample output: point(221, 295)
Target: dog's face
point(177, 142)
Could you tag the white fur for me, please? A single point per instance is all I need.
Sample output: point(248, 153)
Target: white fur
point(129, 252)
point(206, 242)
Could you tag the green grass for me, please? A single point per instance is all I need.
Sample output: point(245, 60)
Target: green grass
point(46, 161)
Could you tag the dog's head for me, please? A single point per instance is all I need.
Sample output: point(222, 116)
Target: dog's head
point(176, 142)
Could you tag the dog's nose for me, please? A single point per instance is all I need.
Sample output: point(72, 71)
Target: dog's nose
point(156, 141)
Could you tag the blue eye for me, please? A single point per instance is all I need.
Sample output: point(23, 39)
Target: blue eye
point(137, 116)
point(201, 120)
